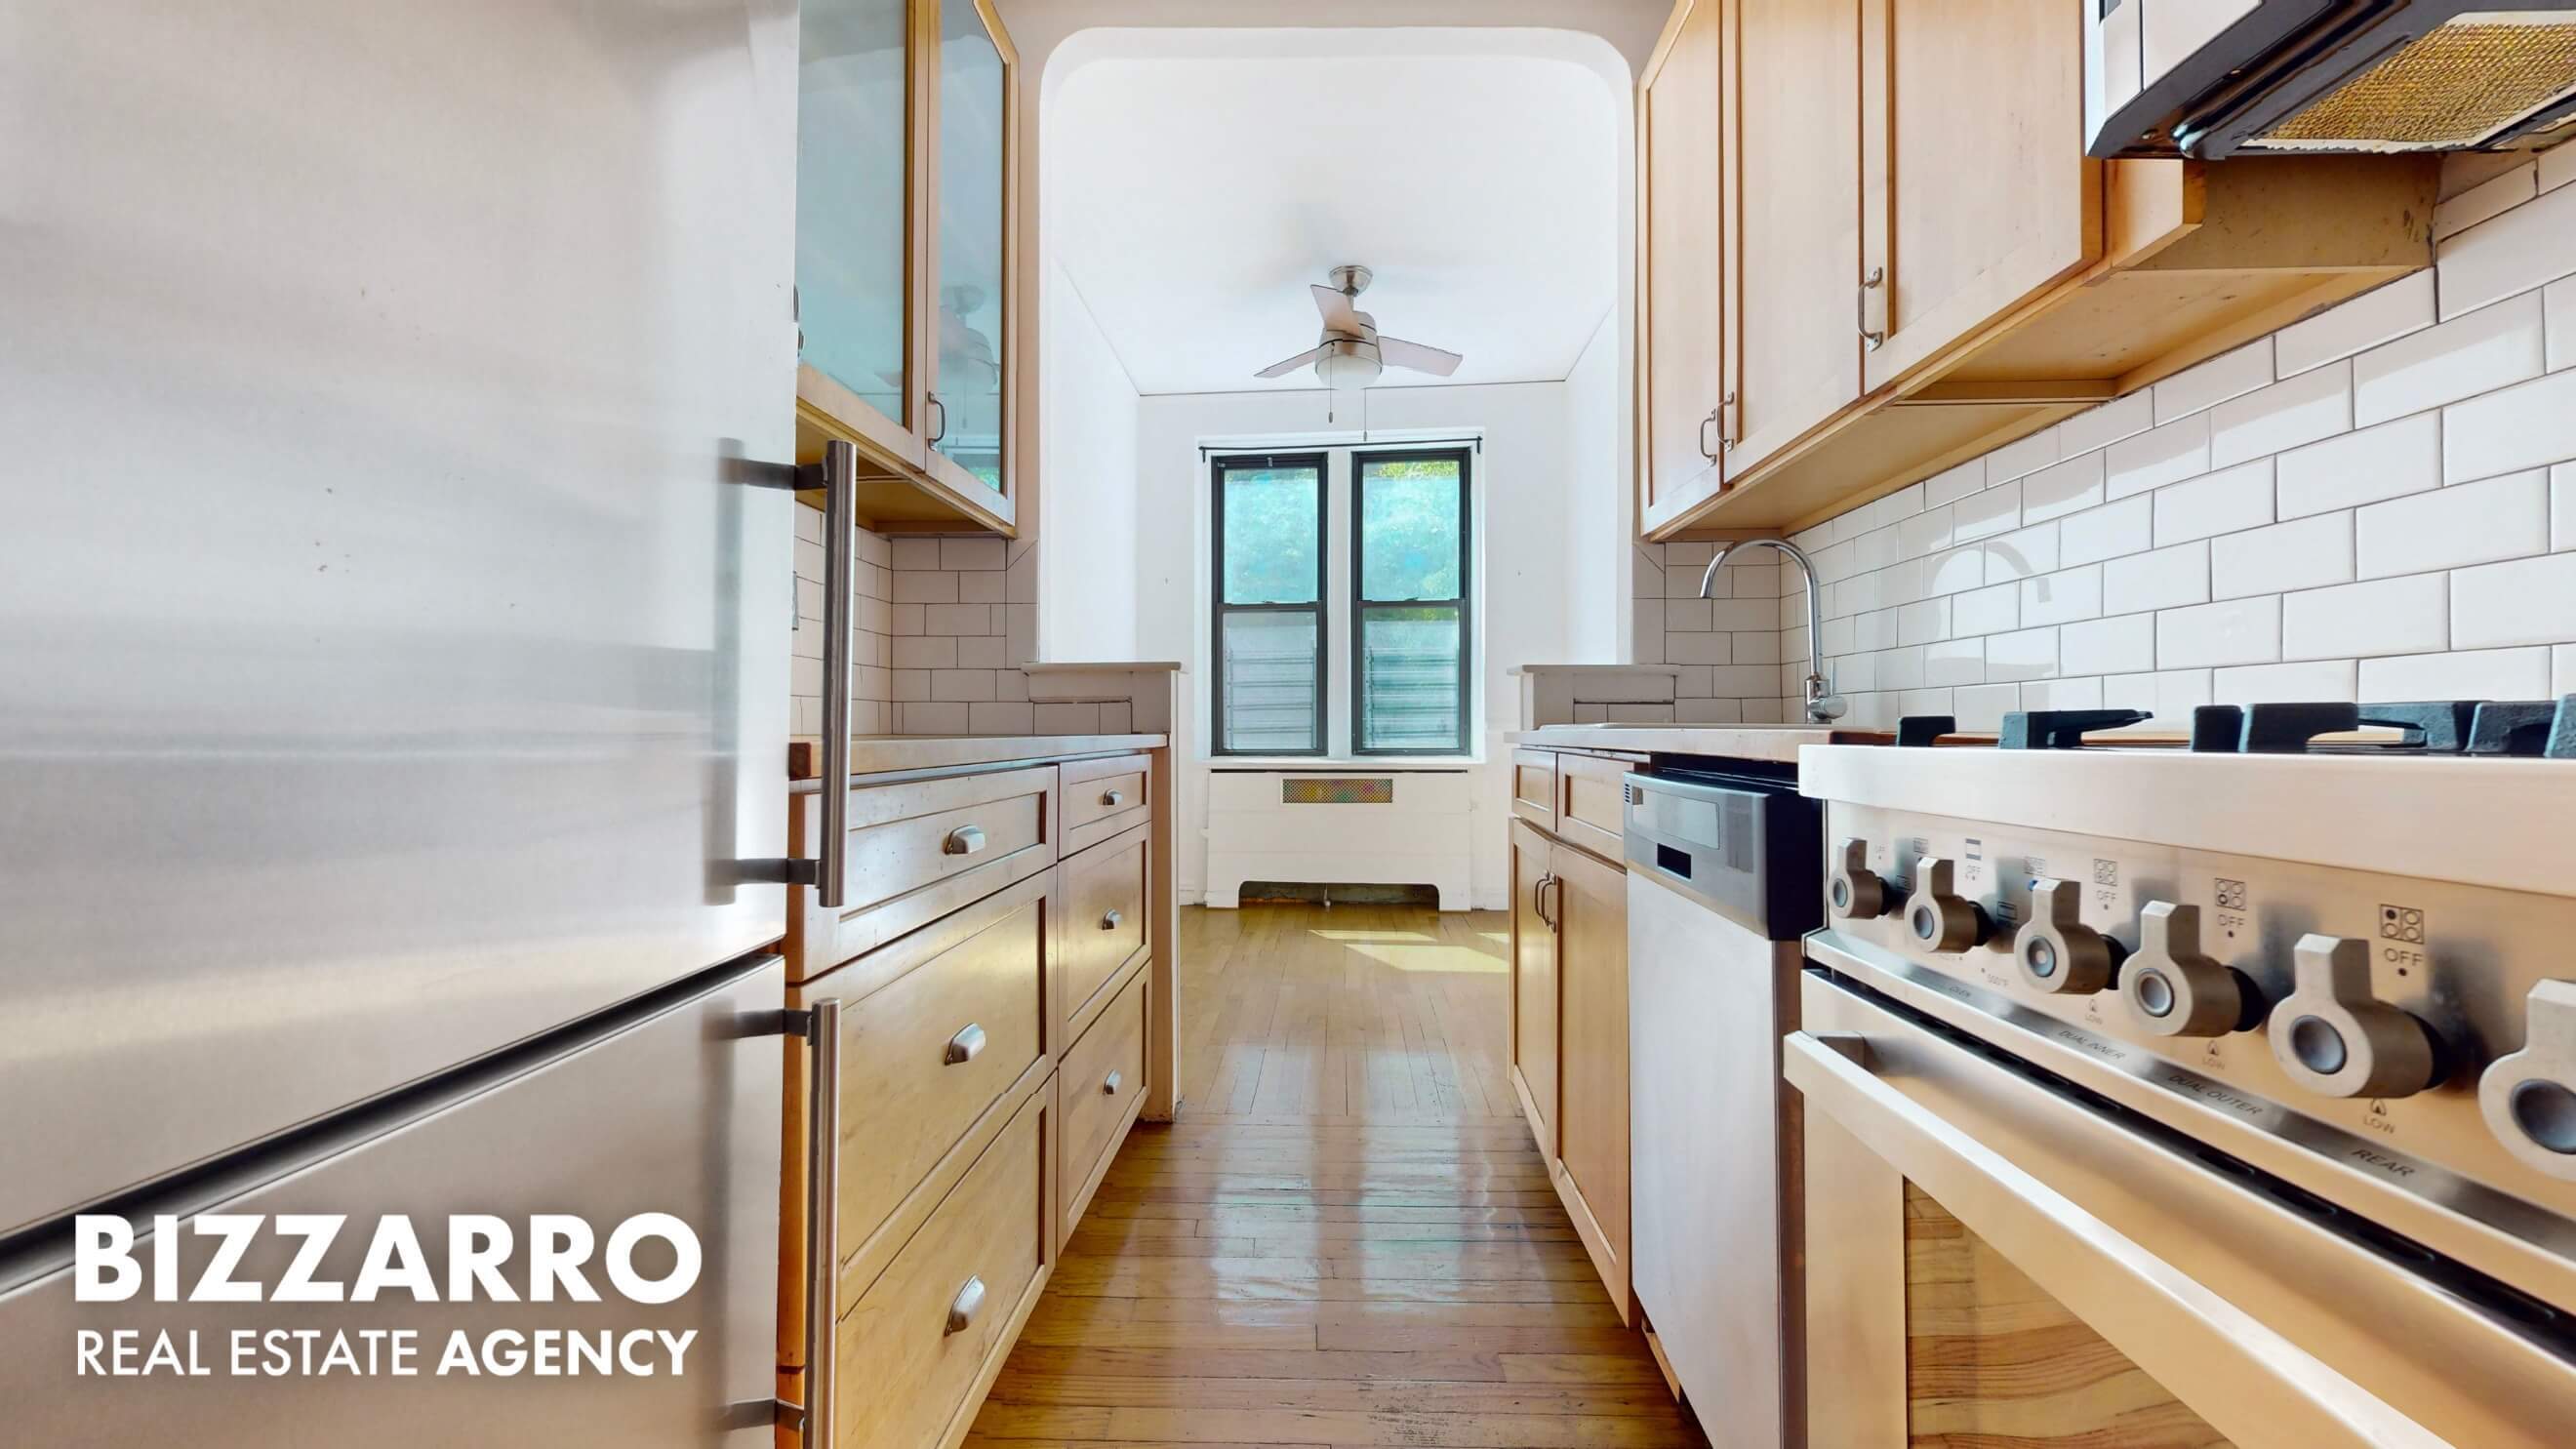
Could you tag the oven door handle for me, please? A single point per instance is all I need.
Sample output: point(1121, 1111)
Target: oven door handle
point(2250, 1383)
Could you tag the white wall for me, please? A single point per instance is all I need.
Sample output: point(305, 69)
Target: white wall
point(1529, 610)
point(1600, 506)
point(1087, 591)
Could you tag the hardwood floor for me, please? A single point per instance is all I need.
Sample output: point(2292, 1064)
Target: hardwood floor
point(1348, 1238)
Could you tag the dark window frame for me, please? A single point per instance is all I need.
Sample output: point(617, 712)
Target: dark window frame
point(1218, 465)
point(1360, 604)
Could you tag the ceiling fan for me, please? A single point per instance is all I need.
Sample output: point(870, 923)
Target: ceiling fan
point(1350, 354)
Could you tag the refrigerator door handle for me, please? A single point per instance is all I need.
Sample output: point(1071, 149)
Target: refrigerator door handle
point(838, 477)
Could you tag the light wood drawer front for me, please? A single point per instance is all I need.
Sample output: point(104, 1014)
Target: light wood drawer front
point(918, 851)
point(1100, 1080)
point(928, 1053)
point(1104, 919)
point(1104, 797)
point(905, 1364)
point(1592, 803)
point(1534, 787)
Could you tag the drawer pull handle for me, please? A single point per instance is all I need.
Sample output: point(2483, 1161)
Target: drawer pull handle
point(964, 840)
point(1110, 921)
point(1109, 1084)
point(961, 1309)
point(965, 1046)
point(1113, 798)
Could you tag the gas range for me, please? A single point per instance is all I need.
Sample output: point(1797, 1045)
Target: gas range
point(2333, 944)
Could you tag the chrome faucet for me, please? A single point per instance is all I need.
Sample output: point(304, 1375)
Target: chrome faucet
point(1823, 705)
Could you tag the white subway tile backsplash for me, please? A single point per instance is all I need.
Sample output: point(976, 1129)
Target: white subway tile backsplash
point(1983, 515)
point(2223, 502)
point(1989, 610)
point(2164, 579)
point(2109, 531)
point(924, 586)
point(2061, 489)
point(1688, 616)
point(2121, 418)
point(2522, 249)
point(923, 652)
point(1924, 622)
point(2312, 406)
point(2168, 694)
point(1873, 550)
point(2527, 601)
point(2239, 631)
point(2014, 460)
point(2169, 454)
point(2387, 461)
point(2062, 694)
point(2471, 674)
point(2558, 320)
point(2562, 507)
point(2480, 352)
point(2385, 616)
point(2022, 654)
point(912, 554)
point(2022, 554)
point(971, 553)
point(957, 619)
point(1954, 661)
point(2391, 312)
point(2488, 199)
point(1926, 532)
point(2304, 553)
point(2505, 432)
point(2201, 388)
point(2266, 683)
point(1948, 573)
point(997, 718)
point(2125, 644)
point(1982, 707)
point(2471, 523)
point(2562, 669)
point(1955, 484)
point(2058, 597)
point(1901, 668)
point(1701, 648)
point(2557, 166)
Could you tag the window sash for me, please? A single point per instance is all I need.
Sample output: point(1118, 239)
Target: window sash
point(1364, 607)
point(1220, 610)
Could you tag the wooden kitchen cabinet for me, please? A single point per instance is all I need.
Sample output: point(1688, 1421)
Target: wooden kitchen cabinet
point(1590, 906)
point(1919, 264)
point(906, 293)
point(1534, 984)
point(1681, 389)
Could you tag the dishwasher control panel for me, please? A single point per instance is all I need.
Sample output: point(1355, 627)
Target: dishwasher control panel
point(2432, 1018)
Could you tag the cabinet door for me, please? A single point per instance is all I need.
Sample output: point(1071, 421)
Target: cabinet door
point(1590, 904)
point(1534, 982)
point(855, 119)
point(971, 384)
point(1680, 314)
point(1793, 235)
point(1969, 206)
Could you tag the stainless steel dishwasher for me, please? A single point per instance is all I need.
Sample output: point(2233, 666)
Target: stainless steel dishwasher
point(1725, 874)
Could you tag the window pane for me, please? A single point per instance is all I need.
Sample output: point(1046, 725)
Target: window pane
point(1409, 679)
point(1267, 675)
point(1409, 528)
point(1273, 526)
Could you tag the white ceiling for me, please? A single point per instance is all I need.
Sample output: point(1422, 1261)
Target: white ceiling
point(1199, 181)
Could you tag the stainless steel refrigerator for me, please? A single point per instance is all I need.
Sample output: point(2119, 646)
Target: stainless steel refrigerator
point(393, 675)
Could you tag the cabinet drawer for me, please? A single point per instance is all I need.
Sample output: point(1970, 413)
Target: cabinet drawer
point(1104, 922)
point(912, 1357)
point(1592, 804)
point(1104, 797)
point(1102, 1083)
point(938, 1029)
point(1534, 787)
point(917, 851)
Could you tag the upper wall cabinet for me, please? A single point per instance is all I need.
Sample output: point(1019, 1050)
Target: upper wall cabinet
point(905, 161)
point(1918, 262)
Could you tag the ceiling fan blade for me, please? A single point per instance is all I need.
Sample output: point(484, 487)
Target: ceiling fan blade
point(1282, 369)
point(1339, 312)
point(1396, 352)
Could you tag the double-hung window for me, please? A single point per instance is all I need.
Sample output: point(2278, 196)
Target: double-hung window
point(1386, 533)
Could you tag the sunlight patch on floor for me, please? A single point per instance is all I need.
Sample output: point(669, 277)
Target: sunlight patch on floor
point(1451, 960)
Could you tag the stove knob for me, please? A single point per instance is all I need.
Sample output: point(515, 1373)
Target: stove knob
point(2056, 950)
point(2334, 1039)
point(2177, 991)
point(1856, 891)
point(2529, 1097)
point(1935, 914)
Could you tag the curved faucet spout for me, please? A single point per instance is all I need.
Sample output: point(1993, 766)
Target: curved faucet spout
point(1823, 705)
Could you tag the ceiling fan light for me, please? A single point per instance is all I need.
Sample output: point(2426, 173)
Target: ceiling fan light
point(1346, 371)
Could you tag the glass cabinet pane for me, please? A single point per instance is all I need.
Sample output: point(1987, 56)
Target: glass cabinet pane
point(852, 120)
point(968, 378)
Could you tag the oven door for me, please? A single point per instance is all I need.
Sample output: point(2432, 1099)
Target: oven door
point(1996, 1256)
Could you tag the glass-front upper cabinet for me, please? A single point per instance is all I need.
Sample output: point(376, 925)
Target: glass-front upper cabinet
point(854, 131)
point(969, 391)
point(903, 250)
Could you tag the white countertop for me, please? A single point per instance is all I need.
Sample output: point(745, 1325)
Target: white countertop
point(1775, 743)
point(888, 754)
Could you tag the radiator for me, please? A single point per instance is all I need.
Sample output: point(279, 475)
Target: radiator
point(1339, 827)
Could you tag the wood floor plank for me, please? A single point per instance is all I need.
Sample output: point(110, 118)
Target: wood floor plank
point(1349, 1238)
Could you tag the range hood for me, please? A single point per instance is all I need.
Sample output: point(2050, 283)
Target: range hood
point(2215, 78)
